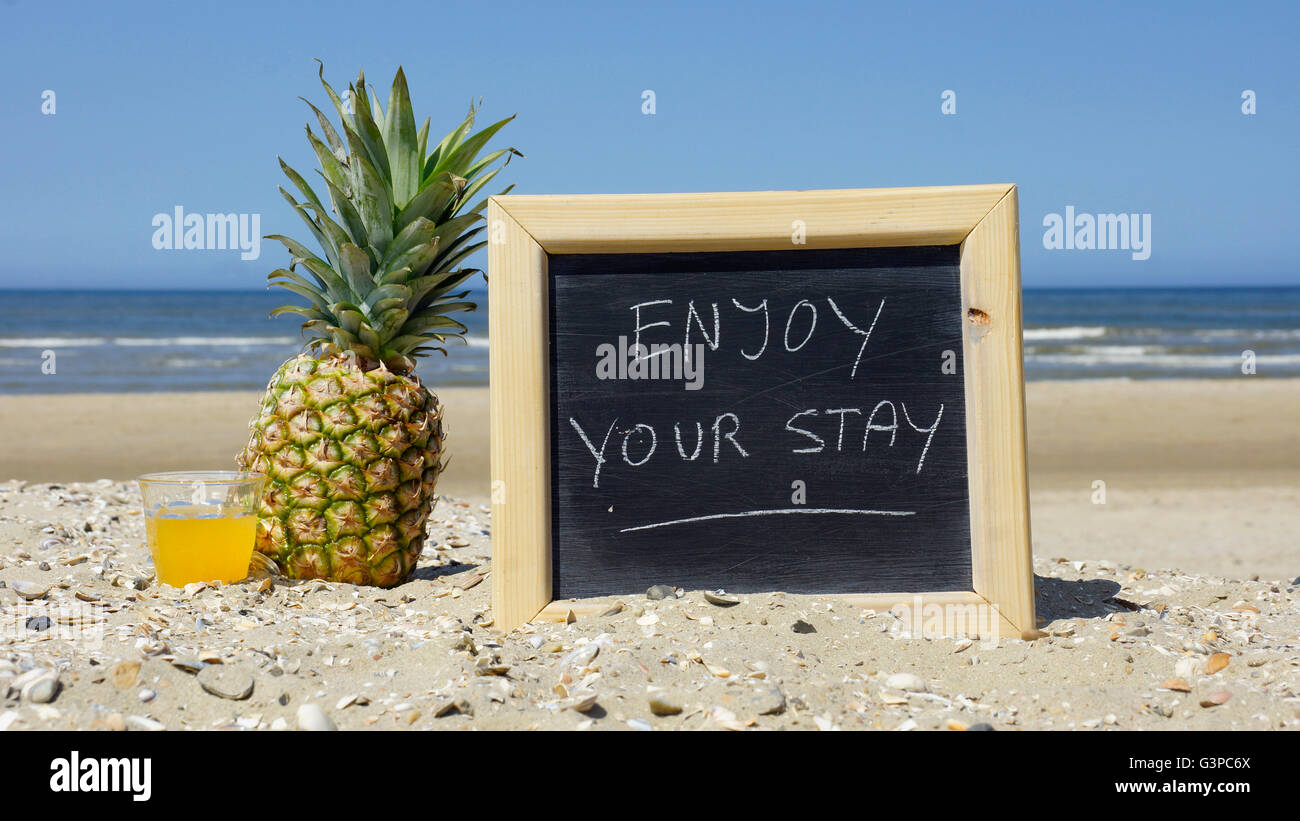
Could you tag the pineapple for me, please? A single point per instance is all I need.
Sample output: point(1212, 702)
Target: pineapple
point(350, 439)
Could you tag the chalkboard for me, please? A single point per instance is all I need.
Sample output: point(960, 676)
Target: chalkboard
point(806, 434)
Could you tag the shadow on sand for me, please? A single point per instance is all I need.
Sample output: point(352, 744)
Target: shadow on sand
point(1056, 599)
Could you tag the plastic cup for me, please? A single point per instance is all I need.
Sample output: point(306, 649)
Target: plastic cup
point(200, 524)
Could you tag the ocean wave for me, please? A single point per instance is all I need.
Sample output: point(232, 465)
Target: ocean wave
point(194, 362)
point(1119, 352)
point(147, 341)
point(203, 341)
point(1167, 360)
point(52, 342)
point(1070, 332)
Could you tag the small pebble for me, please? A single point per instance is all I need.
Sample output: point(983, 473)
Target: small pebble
point(41, 690)
point(768, 701)
point(906, 682)
point(664, 703)
point(661, 591)
point(312, 718)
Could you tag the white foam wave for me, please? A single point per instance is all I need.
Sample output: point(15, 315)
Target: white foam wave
point(1160, 360)
point(1070, 332)
point(52, 342)
point(202, 341)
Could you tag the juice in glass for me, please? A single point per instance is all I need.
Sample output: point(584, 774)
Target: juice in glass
point(200, 525)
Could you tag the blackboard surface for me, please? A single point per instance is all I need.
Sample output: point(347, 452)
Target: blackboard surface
point(803, 456)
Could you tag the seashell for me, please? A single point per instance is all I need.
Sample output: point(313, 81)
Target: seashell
point(1187, 668)
point(261, 566)
point(189, 664)
point(143, 723)
point(721, 598)
point(29, 590)
point(226, 682)
point(580, 702)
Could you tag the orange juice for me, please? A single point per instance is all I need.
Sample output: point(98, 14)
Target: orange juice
point(200, 547)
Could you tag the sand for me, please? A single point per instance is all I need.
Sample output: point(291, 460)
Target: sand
point(1172, 605)
point(84, 437)
point(1199, 475)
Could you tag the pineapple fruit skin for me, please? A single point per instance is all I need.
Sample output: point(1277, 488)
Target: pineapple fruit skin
point(352, 455)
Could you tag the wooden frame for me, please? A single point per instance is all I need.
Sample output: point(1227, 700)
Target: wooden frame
point(983, 219)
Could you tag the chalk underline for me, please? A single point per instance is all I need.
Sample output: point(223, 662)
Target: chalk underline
point(775, 512)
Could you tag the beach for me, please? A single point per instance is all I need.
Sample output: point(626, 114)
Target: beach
point(1202, 475)
point(1170, 605)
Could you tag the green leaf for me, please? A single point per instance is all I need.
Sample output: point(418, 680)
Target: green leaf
point(344, 117)
point(432, 200)
point(381, 119)
point(356, 270)
point(459, 159)
point(489, 159)
point(366, 129)
point(449, 142)
point(478, 184)
point(442, 291)
point(326, 127)
point(460, 255)
point(298, 181)
point(317, 229)
point(336, 286)
point(333, 233)
point(300, 310)
point(451, 229)
point(422, 140)
point(420, 323)
point(369, 338)
point(481, 204)
point(417, 233)
point(402, 142)
point(415, 261)
point(315, 297)
point(391, 321)
point(283, 273)
point(352, 222)
point(383, 293)
point(370, 195)
point(449, 308)
point(350, 320)
point(331, 169)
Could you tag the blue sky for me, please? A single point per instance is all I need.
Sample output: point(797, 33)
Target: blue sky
point(1093, 105)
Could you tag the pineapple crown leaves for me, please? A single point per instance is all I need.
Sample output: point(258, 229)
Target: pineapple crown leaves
point(397, 221)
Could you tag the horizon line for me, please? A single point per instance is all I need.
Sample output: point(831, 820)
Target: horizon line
point(174, 290)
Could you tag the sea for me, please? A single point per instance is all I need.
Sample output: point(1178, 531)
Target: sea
point(161, 341)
